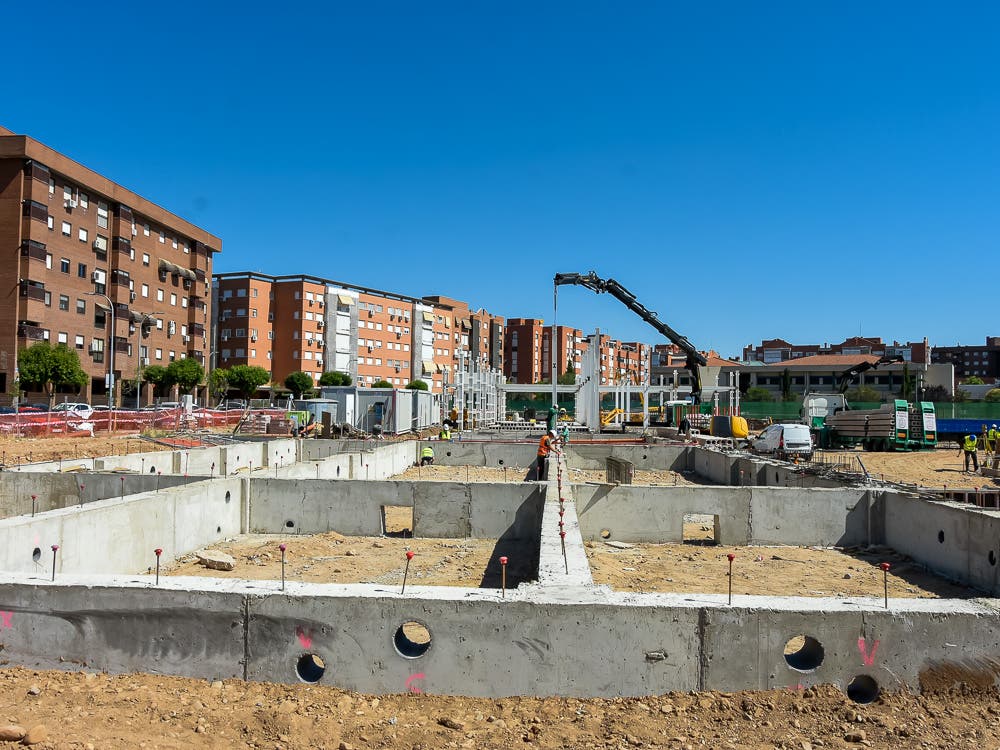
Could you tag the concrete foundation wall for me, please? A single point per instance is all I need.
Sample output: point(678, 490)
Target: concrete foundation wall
point(119, 536)
point(645, 457)
point(54, 491)
point(463, 453)
point(748, 515)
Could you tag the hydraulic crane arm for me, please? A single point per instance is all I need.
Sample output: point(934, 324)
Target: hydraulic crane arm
point(592, 281)
point(849, 375)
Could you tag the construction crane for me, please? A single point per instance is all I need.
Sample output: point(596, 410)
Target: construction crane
point(849, 375)
point(595, 283)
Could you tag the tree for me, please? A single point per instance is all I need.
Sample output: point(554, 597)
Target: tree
point(185, 374)
point(974, 380)
point(156, 375)
point(864, 394)
point(992, 395)
point(786, 384)
point(908, 385)
point(758, 394)
point(48, 367)
point(417, 385)
point(218, 383)
point(333, 378)
point(935, 393)
point(381, 384)
point(247, 379)
point(299, 383)
point(568, 377)
point(960, 396)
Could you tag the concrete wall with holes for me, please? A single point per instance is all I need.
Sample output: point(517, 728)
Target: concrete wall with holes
point(354, 507)
point(119, 535)
point(957, 541)
point(63, 490)
point(558, 640)
point(490, 454)
point(645, 457)
point(734, 470)
point(748, 515)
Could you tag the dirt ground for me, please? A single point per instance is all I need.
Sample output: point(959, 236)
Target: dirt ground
point(84, 710)
point(332, 558)
point(770, 571)
point(27, 450)
point(935, 468)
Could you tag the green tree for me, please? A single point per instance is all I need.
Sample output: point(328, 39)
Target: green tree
point(974, 380)
point(218, 383)
point(156, 375)
point(333, 378)
point(381, 384)
point(185, 374)
point(568, 377)
point(960, 396)
point(417, 385)
point(758, 394)
point(992, 395)
point(299, 383)
point(247, 379)
point(906, 391)
point(48, 367)
point(864, 394)
point(935, 393)
point(786, 385)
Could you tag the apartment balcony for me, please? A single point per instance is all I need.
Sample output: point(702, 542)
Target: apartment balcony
point(30, 332)
point(121, 245)
point(32, 250)
point(197, 355)
point(121, 345)
point(32, 290)
point(196, 329)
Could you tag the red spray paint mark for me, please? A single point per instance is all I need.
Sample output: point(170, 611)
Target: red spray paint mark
point(413, 678)
point(304, 638)
point(867, 658)
point(5, 619)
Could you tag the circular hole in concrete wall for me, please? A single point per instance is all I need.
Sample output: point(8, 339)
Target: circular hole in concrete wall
point(412, 639)
point(863, 689)
point(229, 496)
point(310, 668)
point(152, 469)
point(338, 471)
point(941, 537)
point(448, 453)
point(993, 557)
point(500, 462)
point(36, 554)
point(803, 653)
point(643, 456)
point(605, 533)
point(289, 524)
point(218, 529)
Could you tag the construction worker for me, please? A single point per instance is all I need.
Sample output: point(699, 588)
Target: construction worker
point(991, 437)
point(969, 445)
point(445, 433)
point(426, 455)
point(564, 435)
point(551, 417)
point(545, 446)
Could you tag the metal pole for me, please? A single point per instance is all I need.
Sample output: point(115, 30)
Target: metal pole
point(111, 353)
point(552, 343)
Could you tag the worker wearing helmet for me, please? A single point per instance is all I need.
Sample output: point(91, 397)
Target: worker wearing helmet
point(545, 446)
point(991, 437)
point(426, 455)
point(969, 445)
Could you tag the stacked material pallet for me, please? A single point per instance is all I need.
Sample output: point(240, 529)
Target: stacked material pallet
point(865, 423)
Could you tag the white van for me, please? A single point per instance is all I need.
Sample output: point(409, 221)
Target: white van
point(785, 441)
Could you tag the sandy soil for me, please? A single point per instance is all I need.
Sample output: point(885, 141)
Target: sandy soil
point(332, 558)
point(143, 711)
point(26, 450)
point(770, 571)
point(935, 468)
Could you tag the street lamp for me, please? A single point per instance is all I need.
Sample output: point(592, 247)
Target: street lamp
point(143, 317)
point(111, 355)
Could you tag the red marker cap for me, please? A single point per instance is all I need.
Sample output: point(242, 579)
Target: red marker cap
point(158, 551)
point(562, 534)
point(55, 547)
point(884, 566)
point(282, 547)
point(409, 554)
point(731, 556)
point(503, 560)
point(34, 497)
point(561, 512)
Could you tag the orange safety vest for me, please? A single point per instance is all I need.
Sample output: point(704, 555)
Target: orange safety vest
point(545, 445)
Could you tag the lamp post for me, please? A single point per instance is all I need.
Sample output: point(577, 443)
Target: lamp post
point(111, 354)
point(143, 317)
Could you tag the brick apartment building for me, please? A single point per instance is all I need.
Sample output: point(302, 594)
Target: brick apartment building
point(528, 343)
point(981, 361)
point(778, 350)
point(290, 323)
point(77, 242)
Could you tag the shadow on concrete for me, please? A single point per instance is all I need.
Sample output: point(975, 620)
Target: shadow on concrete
point(519, 543)
point(903, 568)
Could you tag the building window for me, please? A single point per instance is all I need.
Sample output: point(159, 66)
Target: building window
point(163, 238)
point(62, 338)
point(145, 290)
point(173, 299)
point(145, 259)
point(81, 270)
point(78, 342)
point(64, 265)
point(81, 306)
point(159, 295)
point(102, 214)
point(63, 302)
point(82, 235)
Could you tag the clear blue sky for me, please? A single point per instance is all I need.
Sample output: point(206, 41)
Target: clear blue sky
point(749, 170)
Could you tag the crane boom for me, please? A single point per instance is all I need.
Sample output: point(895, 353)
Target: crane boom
point(598, 285)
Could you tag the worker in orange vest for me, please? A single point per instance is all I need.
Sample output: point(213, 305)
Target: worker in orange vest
point(545, 446)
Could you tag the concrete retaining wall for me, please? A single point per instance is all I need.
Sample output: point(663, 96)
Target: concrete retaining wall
point(63, 490)
point(644, 457)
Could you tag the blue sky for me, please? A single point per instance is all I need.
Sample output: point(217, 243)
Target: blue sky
point(748, 170)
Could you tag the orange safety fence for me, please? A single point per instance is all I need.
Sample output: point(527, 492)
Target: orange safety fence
point(56, 424)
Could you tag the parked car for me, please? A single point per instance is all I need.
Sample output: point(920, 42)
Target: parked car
point(785, 441)
point(70, 408)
